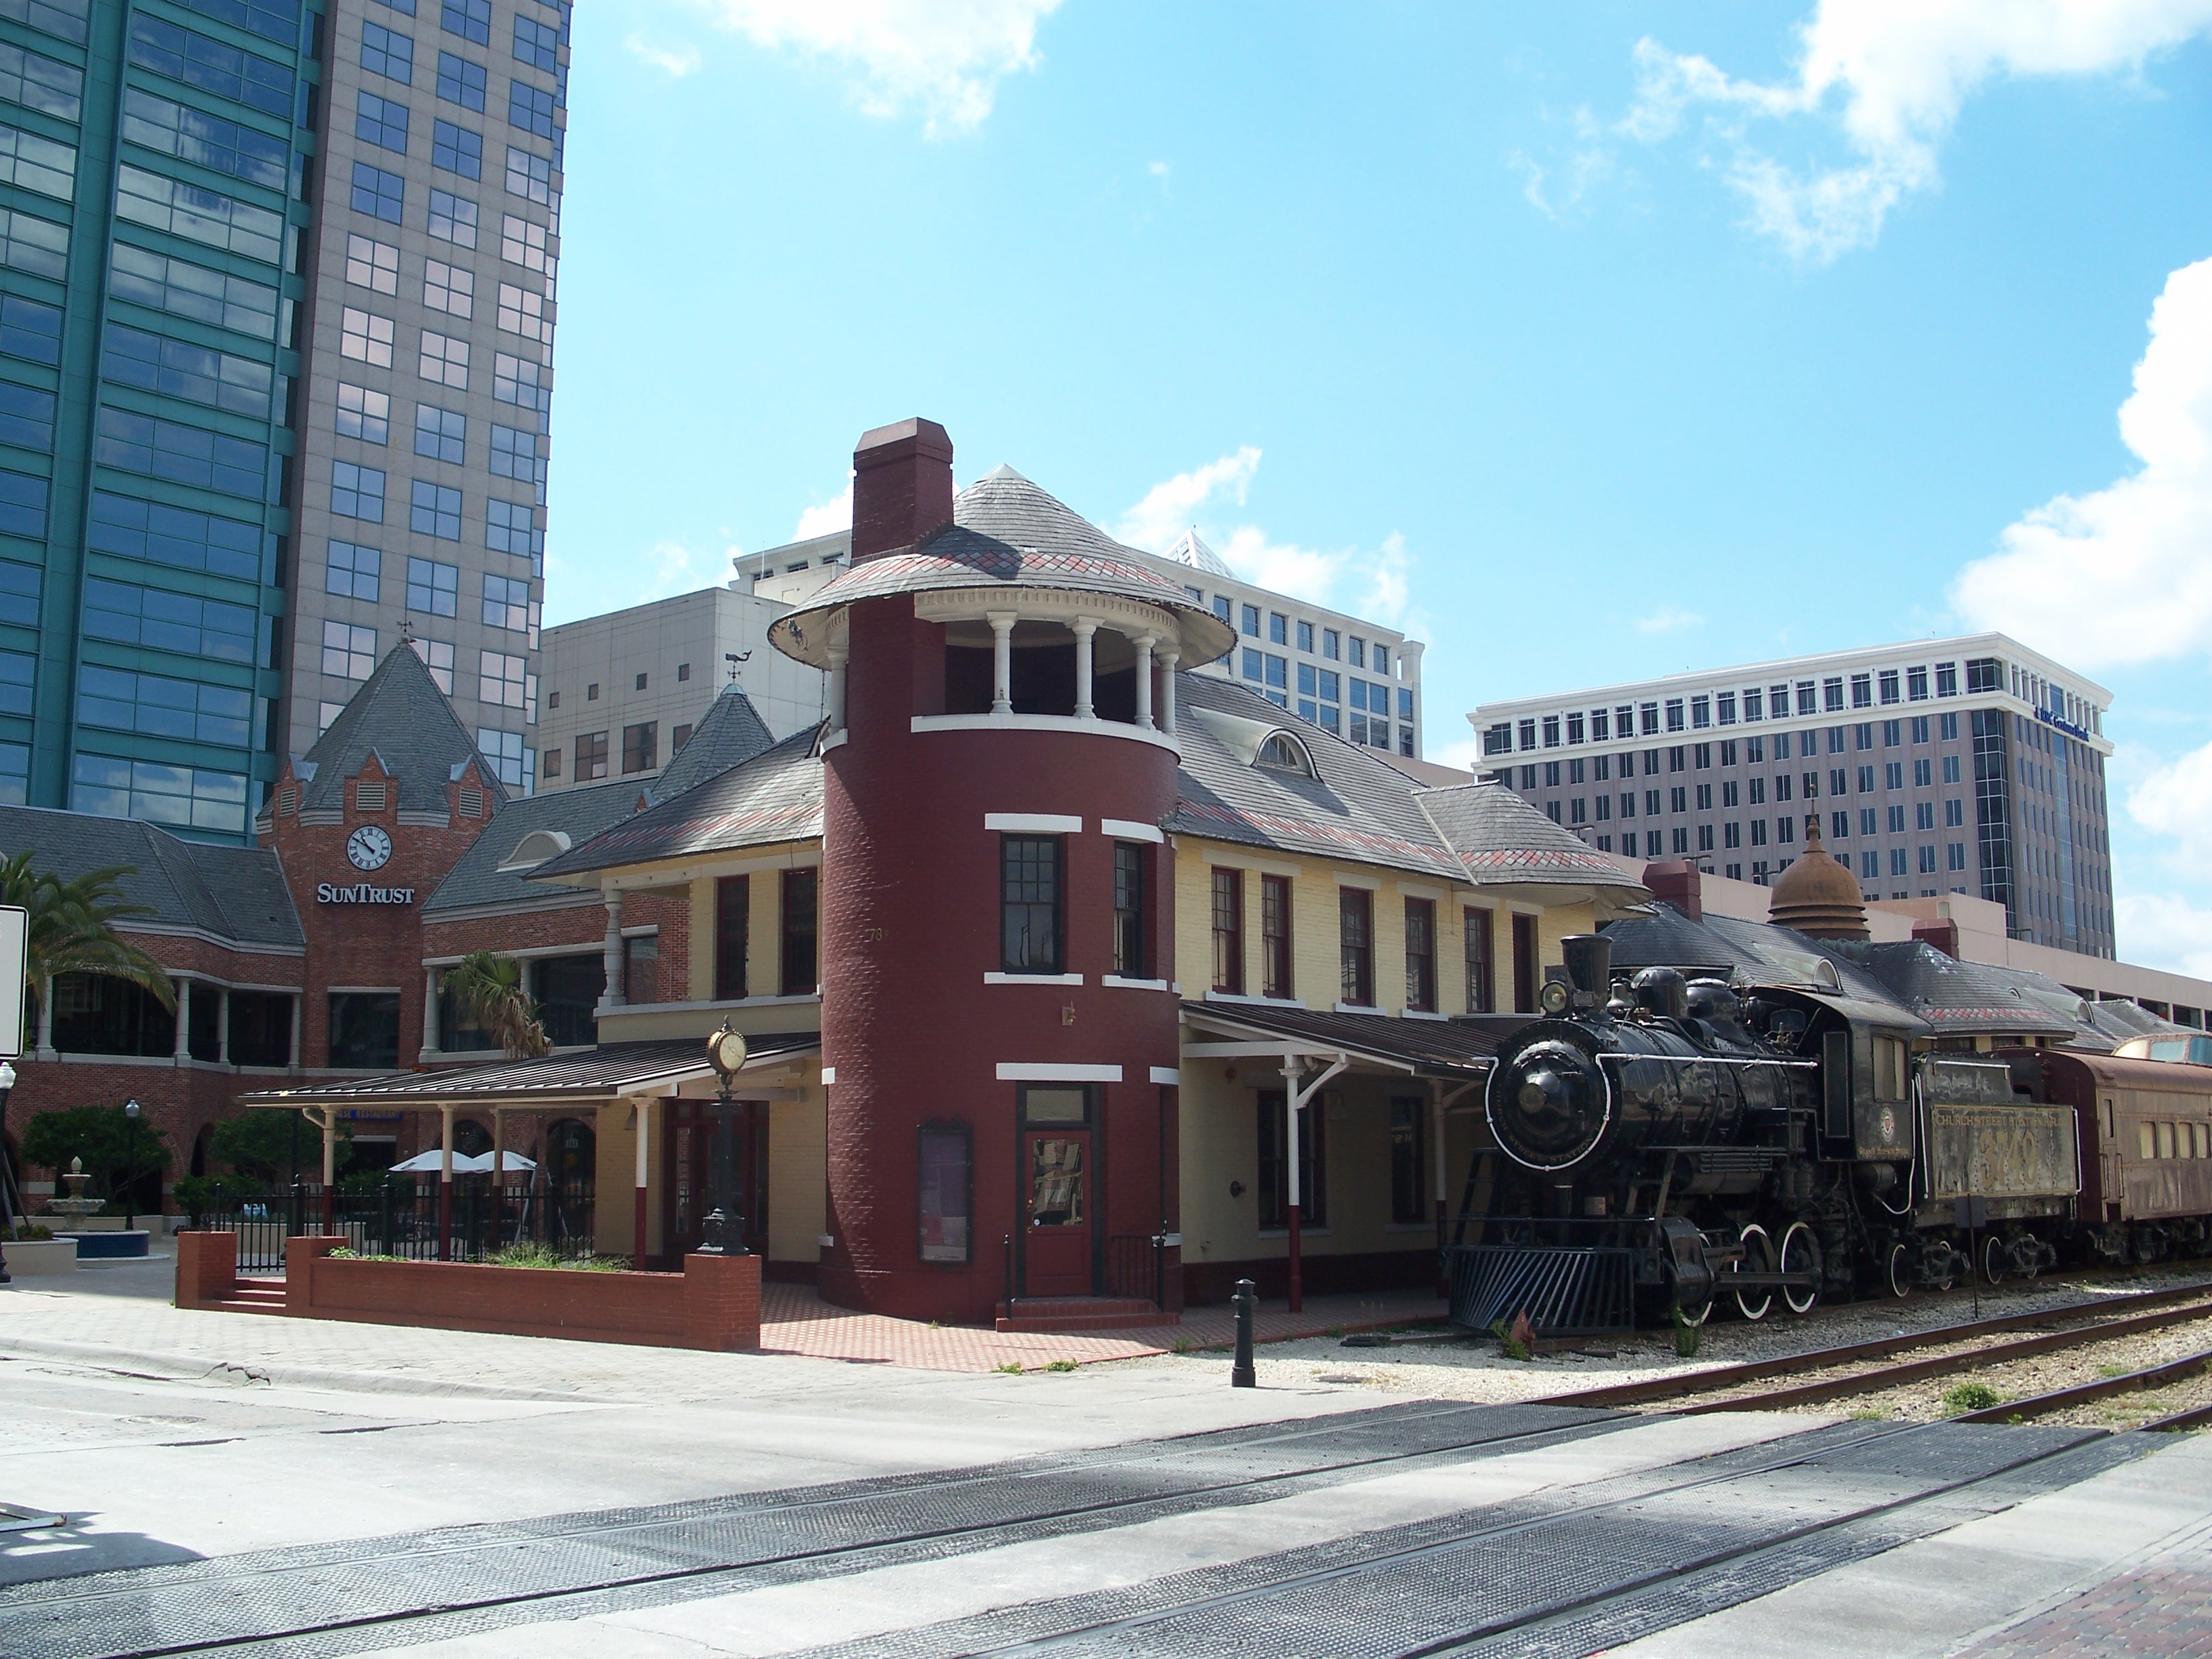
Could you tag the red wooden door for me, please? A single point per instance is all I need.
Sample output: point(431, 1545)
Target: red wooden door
point(1056, 1205)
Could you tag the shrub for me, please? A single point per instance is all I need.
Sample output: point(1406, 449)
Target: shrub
point(1060, 1366)
point(1971, 1396)
point(530, 1254)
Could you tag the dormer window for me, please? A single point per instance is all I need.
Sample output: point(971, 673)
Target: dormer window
point(1282, 752)
point(533, 849)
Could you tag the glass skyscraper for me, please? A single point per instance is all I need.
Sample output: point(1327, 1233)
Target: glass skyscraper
point(275, 325)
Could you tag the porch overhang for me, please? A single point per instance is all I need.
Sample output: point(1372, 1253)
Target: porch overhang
point(1435, 1048)
point(611, 1071)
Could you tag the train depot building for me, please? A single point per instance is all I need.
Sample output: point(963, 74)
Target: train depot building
point(1075, 986)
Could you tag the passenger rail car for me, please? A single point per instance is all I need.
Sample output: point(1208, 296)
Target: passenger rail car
point(2146, 1129)
point(1660, 1146)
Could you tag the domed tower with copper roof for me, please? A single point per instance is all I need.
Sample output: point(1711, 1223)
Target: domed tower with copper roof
point(1816, 895)
point(999, 1026)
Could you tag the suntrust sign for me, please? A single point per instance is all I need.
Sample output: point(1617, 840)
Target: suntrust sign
point(325, 893)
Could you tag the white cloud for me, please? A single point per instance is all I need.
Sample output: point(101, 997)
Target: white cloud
point(826, 519)
point(1667, 618)
point(674, 61)
point(1891, 76)
point(944, 57)
point(1159, 169)
point(672, 568)
point(1172, 507)
point(2175, 798)
point(1371, 582)
point(2124, 574)
point(2164, 930)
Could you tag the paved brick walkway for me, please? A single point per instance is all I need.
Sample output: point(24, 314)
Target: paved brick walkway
point(793, 1320)
point(2164, 1606)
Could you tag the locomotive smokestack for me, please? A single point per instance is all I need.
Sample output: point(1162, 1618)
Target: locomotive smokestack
point(1588, 959)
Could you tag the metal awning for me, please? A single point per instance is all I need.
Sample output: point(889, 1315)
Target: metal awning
point(609, 1072)
point(1447, 1049)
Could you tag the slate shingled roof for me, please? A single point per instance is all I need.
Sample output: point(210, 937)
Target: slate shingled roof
point(1428, 1047)
point(400, 716)
point(235, 893)
point(1005, 533)
point(730, 732)
point(776, 796)
point(580, 814)
point(1972, 998)
point(1359, 806)
point(604, 1072)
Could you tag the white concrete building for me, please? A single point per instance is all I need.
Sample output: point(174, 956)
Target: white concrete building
point(622, 691)
point(1939, 767)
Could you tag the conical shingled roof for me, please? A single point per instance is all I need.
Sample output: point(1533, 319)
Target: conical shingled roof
point(400, 716)
point(730, 733)
point(1005, 533)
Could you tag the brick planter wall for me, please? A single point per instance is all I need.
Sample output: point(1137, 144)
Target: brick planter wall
point(715, 1304)
point(207, 1268)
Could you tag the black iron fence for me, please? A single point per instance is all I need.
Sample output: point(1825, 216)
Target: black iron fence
point(471, 1223)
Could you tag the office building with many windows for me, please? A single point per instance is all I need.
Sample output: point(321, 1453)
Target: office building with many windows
point(1970, 765)
point(236, 236)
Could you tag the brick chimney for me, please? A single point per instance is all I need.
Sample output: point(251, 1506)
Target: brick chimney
point(1677, 882)
point(902, 486)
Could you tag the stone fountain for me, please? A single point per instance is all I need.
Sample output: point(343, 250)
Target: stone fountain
point(76, 1204)
point(92, 1245)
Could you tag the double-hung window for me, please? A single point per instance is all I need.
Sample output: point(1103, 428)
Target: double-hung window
point(1128, 909)
point(1029, 904)
point(1275, 936)
point(1481, 954)
point(801, 975)
point(1356, 942)
point(1421, 955)
point(1229, 932)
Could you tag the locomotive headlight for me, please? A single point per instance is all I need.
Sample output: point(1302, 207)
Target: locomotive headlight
point(1553, 997)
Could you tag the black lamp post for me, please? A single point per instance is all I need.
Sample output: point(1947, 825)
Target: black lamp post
point(6, 1171)
point(131, 1163)
point(723, 1231)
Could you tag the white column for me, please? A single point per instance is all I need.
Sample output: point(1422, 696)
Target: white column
point(1002, 662)
point(1085, 629)
point(1167, 661)
point(222, 1026)
point(612, 996)
point(1145, 643)
point(1291, 1071)
point(431, 1034)
point(184, 1020)
point(299, 1007)
point(446, 1145)
point(837, 660)
point(46, 1019)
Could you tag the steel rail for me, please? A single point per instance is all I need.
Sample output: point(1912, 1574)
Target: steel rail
point(1914, 1370)
point(2200, 1418)
point(1723, 1377)
point(2041, 1405)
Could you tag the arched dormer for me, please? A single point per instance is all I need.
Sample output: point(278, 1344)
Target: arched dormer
point(533, 849)
point(1259, 743)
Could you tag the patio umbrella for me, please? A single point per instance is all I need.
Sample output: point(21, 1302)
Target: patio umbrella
point(431, 1162)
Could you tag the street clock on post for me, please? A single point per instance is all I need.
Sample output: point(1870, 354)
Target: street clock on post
point(369, 847)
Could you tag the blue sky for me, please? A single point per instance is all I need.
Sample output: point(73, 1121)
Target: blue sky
point(1584, 342)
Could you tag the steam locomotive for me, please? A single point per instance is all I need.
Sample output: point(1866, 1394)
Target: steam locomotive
point(1665, 1144)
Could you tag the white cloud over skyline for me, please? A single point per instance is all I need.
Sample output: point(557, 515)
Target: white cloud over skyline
point(2124, 574)
point(826, 517)
point(1372, 582)
point(676, 62)
point(942, 57)
point(1890, 77)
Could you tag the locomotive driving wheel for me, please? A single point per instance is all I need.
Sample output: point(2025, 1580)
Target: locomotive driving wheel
point(1759, 1258)
point(1800, 1254)
point(1900, 1271)
point(1995, 1260)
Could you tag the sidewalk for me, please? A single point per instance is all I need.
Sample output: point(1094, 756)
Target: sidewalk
point(793, 1320)
point(81, 1317)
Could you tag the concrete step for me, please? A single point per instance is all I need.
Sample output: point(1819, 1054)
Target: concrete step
point(1082, 1313)
point(248, 1297)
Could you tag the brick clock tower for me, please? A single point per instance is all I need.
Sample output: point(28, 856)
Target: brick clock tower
point(365, 826)
point(999, 1017)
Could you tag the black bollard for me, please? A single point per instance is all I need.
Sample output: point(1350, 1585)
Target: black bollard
point(1241, 1374)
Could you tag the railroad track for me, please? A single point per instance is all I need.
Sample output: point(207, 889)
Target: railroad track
point(2120, 1316)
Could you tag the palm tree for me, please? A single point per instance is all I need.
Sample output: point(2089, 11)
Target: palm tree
point(72, 927)
point(487, 989)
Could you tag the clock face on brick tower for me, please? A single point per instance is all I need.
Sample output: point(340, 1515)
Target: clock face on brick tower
point(369, 847)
